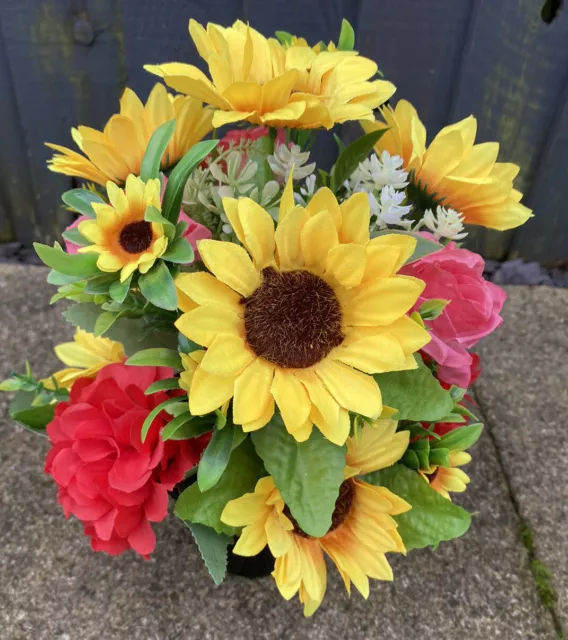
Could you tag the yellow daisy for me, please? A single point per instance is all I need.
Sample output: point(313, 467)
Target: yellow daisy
point(117, 151)
point(84, 357)
point(462, 175)
point(446, 479)
point(362, 528)
point(303, 318)
point(261, 81)
point(124, 240)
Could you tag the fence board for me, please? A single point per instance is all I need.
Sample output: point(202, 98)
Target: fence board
point(511, 79)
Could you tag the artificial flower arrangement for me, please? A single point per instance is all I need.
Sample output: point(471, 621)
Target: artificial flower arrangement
point(285, 350)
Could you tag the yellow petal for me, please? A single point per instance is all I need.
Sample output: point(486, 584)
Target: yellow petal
point(372, 354)
point(318, 237)
point(279, 540)
point(204, 324)
point(378, 446)
point(252, 540)
point(109, 262)
point(324, 200)
point(227, 355)
point(387, 254)
point(205, 289)
point(252, 391)
point(355, 214)
point(230, 264)
point(287, 200)
point(209, 392)
point(346, 264)
point(258, 230)
point(245, 510)
point(287, 236)
point(262, 421)
point(91, 231)
point(292, 399)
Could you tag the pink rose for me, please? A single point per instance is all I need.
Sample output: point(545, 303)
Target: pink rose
point(472, 313)
point(70, 246)
point(236, 135)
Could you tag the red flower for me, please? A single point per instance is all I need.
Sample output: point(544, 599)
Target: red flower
point(107, 477)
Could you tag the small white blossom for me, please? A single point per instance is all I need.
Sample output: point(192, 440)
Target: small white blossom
point(285, 158)
point(374, 173)
point(446, 223)
point(307, 191)
point(388, 208)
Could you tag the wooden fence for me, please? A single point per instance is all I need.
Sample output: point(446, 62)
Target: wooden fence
point(65, 62)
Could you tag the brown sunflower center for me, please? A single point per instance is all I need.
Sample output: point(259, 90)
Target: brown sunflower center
point(136, 237)
point(293, 319)
point(343, 505)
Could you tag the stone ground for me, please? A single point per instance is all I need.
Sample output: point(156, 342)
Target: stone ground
point(481, 586)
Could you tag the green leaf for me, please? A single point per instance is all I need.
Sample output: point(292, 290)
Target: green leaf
point(439, 457)
point(10, 384)
point(154, 414)
point(284, 37)
point(179, 251)
point(346, 40)
point(424, 246)
point(415, 394)
point(119, 290)
point(432, 309)
point(213, 549)
point(82, 265)
point(432, 519)
point(81, 200)
point(157, 357)
point(353, 155)
point(240, 477)
point(83, 315)
point(60, 279)
point(150, 167)
point(99, 285)
point(104, 322)
point(162, 385)
point(171, 202)
point(33, 418)
point(192, 428)
point(75, 237)
point(158, 287)
point(215, 458)
point(308, 474)
point(185, 345)
point(174, 425)
point(152, 214)
point(461, 438)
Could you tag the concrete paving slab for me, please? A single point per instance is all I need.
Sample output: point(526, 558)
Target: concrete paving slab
point(524, 392)
point(52, 587)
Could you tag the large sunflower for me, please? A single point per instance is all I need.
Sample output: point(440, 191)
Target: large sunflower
point(85, 356)
point(362, 528)
point(124, 240)
point(301, 322)
point(452, 169)
point(261, 81)
point(117, 151)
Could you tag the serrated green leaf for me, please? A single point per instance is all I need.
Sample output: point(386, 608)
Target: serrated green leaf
point(158, 287)
point(213, 549)
point(162, 385)
point(461, 438)
point(215, 458)
point(150, 167)
point(180, 251)
point(81, 265)
point(424, 246)
point(353, 155)
point(75, 237)
point(346, 40)
point(415, 394)
point(241, 475)
point(154, 414)
point(104, 322)
point(81, 200)
point(171, 202)
point(432, 519)
point(308, 474)
point(119, 290)
point(156, 357)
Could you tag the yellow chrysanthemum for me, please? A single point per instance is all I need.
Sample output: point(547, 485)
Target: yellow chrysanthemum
point(362, 528)
point(261, 81)
point(117, 151)
point(446, 479)
point(301, 324)
point(465, 175)
point(84, 357)
point(124, 240)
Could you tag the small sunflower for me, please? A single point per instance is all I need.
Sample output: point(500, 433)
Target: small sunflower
point(84, 357)
point(452, 169)
point(263, 82)
point(117, 151)
point(303, 318)
point(448, 479)
point(361, 533)
point(124, 240)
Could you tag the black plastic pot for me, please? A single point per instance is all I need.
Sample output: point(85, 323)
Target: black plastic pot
point(254, 567)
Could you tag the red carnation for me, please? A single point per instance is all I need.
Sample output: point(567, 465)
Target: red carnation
point(107, 477)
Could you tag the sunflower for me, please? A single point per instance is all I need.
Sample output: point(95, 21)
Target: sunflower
point(124, 240)
point(362, 528)
point(261, 81)
point(117, 151)
point(84, 357)
point(446, 479)
point(301, 322)
point(453, 170)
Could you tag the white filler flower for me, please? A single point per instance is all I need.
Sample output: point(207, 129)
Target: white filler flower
point(446, 223)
